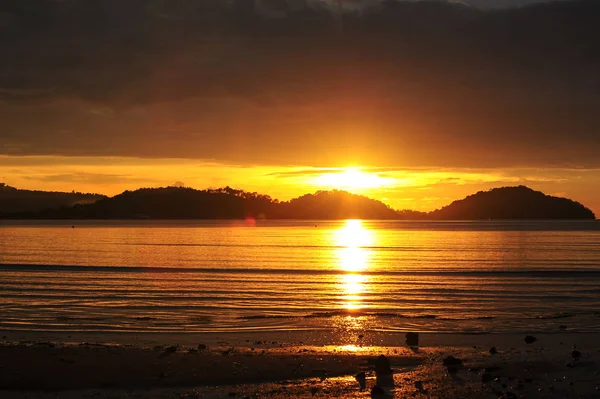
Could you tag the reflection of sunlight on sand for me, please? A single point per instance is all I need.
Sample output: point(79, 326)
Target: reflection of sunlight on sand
point(351, 348)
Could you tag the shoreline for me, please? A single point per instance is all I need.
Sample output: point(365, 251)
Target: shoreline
point(283, 339)
point(244, 367)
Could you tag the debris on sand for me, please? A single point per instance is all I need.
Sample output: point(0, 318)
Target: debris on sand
point(529, 339)
point(452, 364)
point(575, 354)
point(377, 391)
point(493, 350)
point(412, 339)
point(419, 386)
point(362, 380)
point(452, 361)
point(382, 365)
point(202, 347)
point(383, 372)
point(486, 377)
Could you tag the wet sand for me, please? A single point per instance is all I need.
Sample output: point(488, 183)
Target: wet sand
point(272, 368)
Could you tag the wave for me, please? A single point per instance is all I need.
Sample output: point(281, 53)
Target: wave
point(556, 316)
point(345, 313)
point(555, 273)
point(336, 313)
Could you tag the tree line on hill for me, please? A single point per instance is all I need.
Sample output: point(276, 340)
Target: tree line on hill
point(227, 203)
point(16, 200)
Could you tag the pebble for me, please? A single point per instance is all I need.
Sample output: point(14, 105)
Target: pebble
point(529, 339)
point(412, 339)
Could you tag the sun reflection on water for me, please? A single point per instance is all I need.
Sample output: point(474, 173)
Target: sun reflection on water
point(353, 240)
point(353, 288)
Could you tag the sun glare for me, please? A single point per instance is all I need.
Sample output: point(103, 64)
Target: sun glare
point(353, 235)
point(351, 178)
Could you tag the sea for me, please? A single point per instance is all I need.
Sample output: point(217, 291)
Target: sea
point(261, 276)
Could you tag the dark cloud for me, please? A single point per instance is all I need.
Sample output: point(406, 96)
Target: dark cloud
point(87, 178)
point(396, 83)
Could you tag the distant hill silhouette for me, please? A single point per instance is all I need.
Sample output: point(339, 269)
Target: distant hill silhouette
point(228, 203)
point(15, 200)
point(512, 203)
point(171, 203)
point(336, 205)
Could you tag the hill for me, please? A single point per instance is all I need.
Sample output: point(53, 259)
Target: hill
point(336, 205)
point(170, 203)
point(222, 203)
point(15, 200)
point(512, 203)
point(228, 203)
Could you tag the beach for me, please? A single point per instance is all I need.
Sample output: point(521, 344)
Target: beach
point(276, 369)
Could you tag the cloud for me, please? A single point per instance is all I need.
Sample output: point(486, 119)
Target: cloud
point(412, 84)
point(86, 178)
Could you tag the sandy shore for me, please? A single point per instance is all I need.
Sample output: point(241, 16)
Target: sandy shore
point(237, 366)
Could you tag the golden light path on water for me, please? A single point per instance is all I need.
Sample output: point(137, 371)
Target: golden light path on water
point(353, 254)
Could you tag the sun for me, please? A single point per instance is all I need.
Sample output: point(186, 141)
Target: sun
point(351, 178)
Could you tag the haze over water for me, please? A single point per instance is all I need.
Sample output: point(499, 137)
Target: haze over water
point(276, 276)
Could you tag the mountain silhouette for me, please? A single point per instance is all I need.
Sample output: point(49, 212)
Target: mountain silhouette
point(16, 200)
point(227, 203)
point(336, 205)
point(512, 203)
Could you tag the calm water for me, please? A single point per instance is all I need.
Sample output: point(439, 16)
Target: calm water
point(235, 276)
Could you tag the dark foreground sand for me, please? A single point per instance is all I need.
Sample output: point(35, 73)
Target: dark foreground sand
point(274, 369)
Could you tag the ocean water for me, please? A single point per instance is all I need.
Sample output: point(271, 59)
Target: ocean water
point(245, 276)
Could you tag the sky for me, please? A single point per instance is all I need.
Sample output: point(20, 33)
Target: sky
point(412, 103)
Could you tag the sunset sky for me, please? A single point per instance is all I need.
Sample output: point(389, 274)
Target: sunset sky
point(412, 103)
